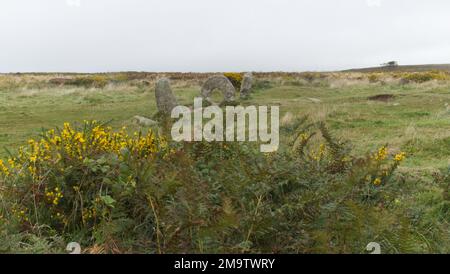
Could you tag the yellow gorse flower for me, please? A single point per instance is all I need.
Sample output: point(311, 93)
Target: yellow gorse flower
point(54, 197)
point(77, 144)
point(319, 154)
point(3, 168)
point(377, 182)
point(88, 214)
point(12, 163)
point(382, 154)
point(20, 214)
point(400, 157)
point(304, 137)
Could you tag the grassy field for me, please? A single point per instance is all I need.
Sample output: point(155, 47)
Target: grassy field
point(115, 192)
point(404, 68)
point(415, 120)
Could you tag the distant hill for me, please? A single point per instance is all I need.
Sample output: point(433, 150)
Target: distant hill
point(409, 68)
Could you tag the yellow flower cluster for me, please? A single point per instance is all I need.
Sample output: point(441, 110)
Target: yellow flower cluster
point(386, 171)
point(319, 154)
point(72, 144)
point(12, 163)
point(304, 137)
point(21, 214)
point(88, 214)
point(37, 151)
point(400, 157)
point(382, 154)
point(103, 139)
point(54, 197)
point(3, 168)
point(235, 78)
point(377, 181)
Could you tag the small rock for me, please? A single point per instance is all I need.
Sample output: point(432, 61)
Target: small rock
point(315, 100)
point(144, 121)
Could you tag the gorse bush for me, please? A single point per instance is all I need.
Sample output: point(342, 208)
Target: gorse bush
point(64, 180)
point(312, 76)
point(121, 192)
point(96, 81)
point(235, 79)
point(422, 77)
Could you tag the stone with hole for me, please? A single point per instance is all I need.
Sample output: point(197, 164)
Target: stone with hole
point(222, 84)
point(165, 100)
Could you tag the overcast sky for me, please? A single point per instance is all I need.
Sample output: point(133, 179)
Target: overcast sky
point(220, 35)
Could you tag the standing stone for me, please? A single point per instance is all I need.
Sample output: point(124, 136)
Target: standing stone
point(221, 83)
point(165, 100)
point(246, 86)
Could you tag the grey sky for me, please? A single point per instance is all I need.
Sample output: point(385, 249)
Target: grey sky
point(220, 35)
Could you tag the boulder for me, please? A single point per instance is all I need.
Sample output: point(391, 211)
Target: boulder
point(165, 100)
point(246, 86)
point(221, 83)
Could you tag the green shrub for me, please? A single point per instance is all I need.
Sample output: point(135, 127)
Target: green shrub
point(96, 81)
point(422, 77)
point(373, 77)
point(312, 76)
point(262, 84)
point(128, 76)
point(138, 193)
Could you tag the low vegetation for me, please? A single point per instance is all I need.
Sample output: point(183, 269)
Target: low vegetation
point(350, 170)
point(117, 193)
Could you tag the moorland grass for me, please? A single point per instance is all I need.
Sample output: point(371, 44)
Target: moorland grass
point(205, 200)
point(416, 119)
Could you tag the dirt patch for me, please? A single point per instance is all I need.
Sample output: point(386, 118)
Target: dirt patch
point(382, 97)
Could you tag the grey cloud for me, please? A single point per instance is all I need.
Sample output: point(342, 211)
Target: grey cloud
point(213, 35)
